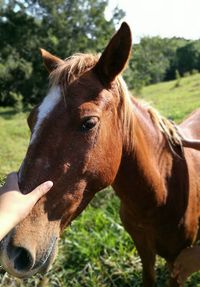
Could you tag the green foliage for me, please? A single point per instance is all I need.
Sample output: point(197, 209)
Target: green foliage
point(153, 60)
point(17, 101)
point(18, 48)
point(188, 57)
point(63, 27)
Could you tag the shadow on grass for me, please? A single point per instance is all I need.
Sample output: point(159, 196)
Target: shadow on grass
point(7, 113)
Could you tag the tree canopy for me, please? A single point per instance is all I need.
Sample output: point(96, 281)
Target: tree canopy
point(64, 27)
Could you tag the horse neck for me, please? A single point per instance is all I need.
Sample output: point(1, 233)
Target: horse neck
point(139, 176)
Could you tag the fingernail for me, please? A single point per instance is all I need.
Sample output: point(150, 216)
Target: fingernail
point(49, 184)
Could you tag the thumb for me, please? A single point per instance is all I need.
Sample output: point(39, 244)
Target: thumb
point(41, 190)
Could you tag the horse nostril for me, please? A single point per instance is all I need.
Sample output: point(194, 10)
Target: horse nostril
point(21, 258)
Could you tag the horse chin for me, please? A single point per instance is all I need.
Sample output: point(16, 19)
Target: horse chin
point(41, 265)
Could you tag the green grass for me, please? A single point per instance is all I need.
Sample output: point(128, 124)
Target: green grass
point(96, 251)
point(174, 102)
point(13, 140)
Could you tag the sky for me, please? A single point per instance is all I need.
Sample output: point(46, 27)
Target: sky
point(165, 18)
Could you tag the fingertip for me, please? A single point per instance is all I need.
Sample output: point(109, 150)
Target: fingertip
point(49, 184)
point(41, 190)
point(46, 186)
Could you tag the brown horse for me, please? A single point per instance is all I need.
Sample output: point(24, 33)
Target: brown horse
point(89, 133)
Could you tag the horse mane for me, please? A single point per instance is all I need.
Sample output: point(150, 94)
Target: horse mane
point(72, 68)
point(166, 126)
point(76, 65)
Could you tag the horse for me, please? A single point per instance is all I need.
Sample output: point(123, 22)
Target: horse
point(89, 133)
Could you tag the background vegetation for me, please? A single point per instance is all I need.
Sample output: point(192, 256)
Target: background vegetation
point(95, 250)
point(65, 27)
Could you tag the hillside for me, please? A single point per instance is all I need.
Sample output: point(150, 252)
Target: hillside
point(174, 102)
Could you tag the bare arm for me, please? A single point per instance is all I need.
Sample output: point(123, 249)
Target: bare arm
point(15, 206)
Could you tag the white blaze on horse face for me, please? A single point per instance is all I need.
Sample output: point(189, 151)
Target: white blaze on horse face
point(46, 107)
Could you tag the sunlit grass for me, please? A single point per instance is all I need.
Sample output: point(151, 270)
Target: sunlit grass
point(13, 140)
point(175, 102)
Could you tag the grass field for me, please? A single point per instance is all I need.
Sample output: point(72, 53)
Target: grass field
point(175, 102)
point(95, 251)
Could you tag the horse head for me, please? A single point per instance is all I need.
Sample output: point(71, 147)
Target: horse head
point(76, 141)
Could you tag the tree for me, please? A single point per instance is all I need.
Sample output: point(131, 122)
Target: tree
point(188, 57)
point(148, 63)
point(153, 60)
point(62, 26)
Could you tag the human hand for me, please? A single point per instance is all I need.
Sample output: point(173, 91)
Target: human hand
point(15, 206)
point(186, 263)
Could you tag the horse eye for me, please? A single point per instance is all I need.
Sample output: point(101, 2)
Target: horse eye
point(88, 124)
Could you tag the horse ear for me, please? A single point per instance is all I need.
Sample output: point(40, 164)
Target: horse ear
point(115, 56)
point(51, 62)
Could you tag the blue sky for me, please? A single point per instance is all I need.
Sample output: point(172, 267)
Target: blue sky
point(166, 18)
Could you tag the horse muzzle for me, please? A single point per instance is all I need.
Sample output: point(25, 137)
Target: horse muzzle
point(23, 261)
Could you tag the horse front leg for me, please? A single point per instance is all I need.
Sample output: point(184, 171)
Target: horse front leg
point(144, 246)
point(148, 256)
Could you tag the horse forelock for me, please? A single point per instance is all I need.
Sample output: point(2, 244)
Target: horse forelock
point(72, 68)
